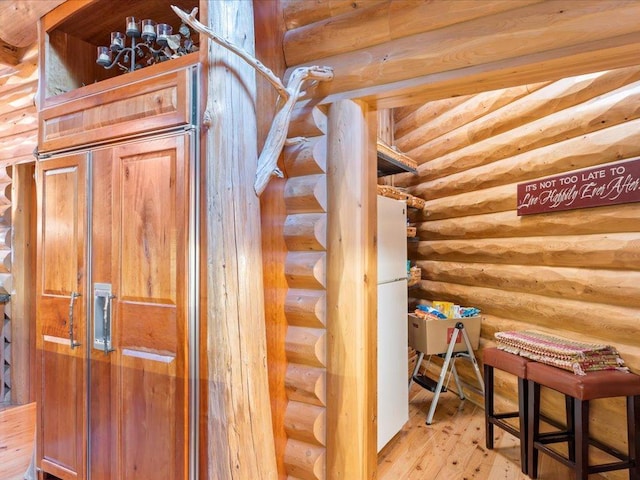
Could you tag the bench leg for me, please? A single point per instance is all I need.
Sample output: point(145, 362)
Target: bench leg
point(571, 428)
point(523, 400)
point(488, 405)
point(533, 420)
point(581, 438)
point(633, 432)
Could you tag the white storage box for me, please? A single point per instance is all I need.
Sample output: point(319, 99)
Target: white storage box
point(432, 337)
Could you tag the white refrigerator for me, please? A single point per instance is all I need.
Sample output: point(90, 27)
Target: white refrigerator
point(393, 396)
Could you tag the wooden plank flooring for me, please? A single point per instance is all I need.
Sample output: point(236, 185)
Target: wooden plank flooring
point(453, 446)
point(17, 430)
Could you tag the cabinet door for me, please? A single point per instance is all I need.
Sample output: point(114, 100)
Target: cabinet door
point(140, 224)
point(61, 317)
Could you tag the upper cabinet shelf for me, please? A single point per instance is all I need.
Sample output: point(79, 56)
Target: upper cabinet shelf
point(391, 161)
point(71, 33)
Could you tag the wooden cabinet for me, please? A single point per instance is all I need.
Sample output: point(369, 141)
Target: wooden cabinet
point(116, 266)
point(113, 263)
point(61, 316)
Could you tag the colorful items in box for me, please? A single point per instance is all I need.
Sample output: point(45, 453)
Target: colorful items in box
point(428, 312)
point(445, 310)
point(448, 308)
point(469, 312)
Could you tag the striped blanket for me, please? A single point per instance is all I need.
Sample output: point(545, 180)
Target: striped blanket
point(560, 352)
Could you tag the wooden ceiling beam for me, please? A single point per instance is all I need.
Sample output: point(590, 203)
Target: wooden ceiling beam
point(546, 41)
point(380, 22)
point(618, 52)
point(19, 19)
point(298, 13)
point(9, 55)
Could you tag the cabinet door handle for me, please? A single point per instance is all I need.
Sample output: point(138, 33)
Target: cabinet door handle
point(72, 343)
point(103, 303)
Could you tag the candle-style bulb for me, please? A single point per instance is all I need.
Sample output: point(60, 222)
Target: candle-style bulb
point(148, 30)
point(133, 27)
point(104, 56)
point(163, 31)
point(117, 41)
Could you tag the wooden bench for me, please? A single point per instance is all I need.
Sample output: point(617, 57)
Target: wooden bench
point(579, 390)
point(516, 365)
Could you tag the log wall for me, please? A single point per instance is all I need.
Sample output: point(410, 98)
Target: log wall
point(575, 273)
point(305, 237)
point(376, 48)
point(18, 138)
point(323, 423)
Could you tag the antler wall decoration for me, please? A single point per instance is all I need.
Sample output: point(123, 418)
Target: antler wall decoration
point(289, 95)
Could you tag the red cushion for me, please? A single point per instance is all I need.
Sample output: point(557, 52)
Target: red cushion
point(600, 384)
point(509, 362)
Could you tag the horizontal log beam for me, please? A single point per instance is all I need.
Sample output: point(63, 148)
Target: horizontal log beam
point(5, 261)
point(306, 308)
point(415, 77)
point(306, 423)
point(572, 315)
point(611, 287)
point(5, 237)
point(382, 92)
point(18, 147)
point(306, 270)
point(306, 231)
point(547, 111)
point(477, 202)
point(407, 119)
point(5, 196)
point(306, 194)
point(6, 283)
point(25, 72)
point(19, 121)
point(22, 96)
point(306, 346)
point(596, 148)
point(478, 106)
point(612, 219)
point(383, 22)
point(612, 251)
point(298, 13)
point(307, 120)
point(365, 26)
point(306, 384)
point(305, 461)
point(306, 158)
point(5, 214)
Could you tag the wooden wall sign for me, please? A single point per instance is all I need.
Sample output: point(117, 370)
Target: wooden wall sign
point(608, 184)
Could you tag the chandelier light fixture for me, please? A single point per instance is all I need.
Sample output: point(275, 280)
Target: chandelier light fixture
point(150, 43)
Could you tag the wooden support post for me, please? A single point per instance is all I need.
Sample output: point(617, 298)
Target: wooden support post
point(240, 434)
point(23, 286)
point(351, 292)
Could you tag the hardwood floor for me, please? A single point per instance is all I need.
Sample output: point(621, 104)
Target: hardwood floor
point(453, 446)
point(17, 430)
